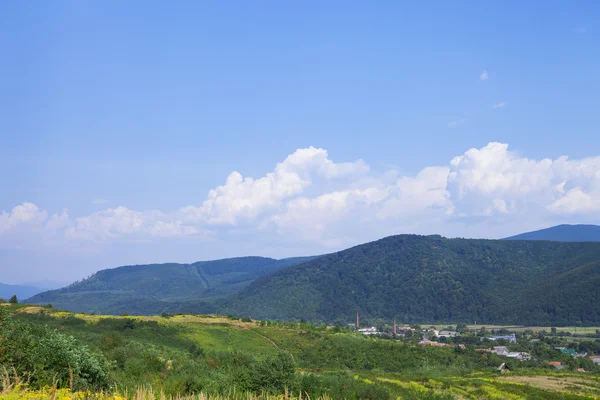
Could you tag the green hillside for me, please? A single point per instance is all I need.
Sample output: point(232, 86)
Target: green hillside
point(157, 288)
point(434, 279)
point(563, 233)
point(225, 356)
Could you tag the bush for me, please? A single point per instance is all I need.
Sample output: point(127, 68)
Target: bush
point(46, 357)
point(274, 374)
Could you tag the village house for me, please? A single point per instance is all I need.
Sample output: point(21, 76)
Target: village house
point(503, 368)
point(556, 364)
point(369, 331)
point(503, 351)
point(447, 334)
point(500, 350)
point(426, 342)
point(595, 359)
point(509, 338)
point(519, 355)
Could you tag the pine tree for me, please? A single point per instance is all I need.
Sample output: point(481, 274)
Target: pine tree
point(13, 300)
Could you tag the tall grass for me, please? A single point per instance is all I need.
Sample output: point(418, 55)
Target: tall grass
point(20, 393)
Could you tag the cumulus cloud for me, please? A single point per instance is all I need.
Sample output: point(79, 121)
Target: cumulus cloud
point(413, 195)
point(308, 197)
point(577, 201)
point(26, 215)
point(120, 222)
point(246, 198)
point(483, 75)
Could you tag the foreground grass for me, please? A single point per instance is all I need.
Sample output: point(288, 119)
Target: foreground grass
point(67, 394)
point(475, 386)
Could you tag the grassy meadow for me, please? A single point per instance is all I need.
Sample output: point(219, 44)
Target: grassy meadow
point(219, 357)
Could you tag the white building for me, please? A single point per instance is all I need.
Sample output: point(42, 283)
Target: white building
point(369, 331)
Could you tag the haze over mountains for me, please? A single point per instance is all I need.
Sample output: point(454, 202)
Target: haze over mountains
point(21, 291)
point(527, 279)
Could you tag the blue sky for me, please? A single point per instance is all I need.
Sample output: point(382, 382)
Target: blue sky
point(127, 114)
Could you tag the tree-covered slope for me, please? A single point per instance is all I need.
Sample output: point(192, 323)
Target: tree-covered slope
point(563, 233)
point(157, 288)
point(418, 278)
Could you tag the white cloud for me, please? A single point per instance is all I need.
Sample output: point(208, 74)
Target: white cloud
point(481, 175)
point(26, 215)
point(58, 221)
point(454, 123)
point(110, 223)
point(576, 201)
point(483, 75)
point(173, 229)
point(312, 217)
point(246, 198)
point(312, 199)
point(493, 170)
point(413, 195)
point(499, 105)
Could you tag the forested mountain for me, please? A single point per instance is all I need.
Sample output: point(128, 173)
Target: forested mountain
point(22, 292)
point(563, 233)
point(408, 277)
point(157, 288)
point(434, 279)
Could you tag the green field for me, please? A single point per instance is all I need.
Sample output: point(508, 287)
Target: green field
point(220, 356)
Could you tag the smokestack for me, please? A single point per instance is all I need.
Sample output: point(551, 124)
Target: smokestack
point(357, 321)
point(394, 327)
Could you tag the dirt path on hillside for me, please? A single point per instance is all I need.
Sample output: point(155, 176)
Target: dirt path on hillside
point(274, 344)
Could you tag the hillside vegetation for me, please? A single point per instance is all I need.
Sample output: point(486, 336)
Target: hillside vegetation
point(157, 288)
point(45, 350)
point(434, 279)
point(563, 233)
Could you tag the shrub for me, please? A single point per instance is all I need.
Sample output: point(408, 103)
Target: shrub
point(46, 357)
point(274, 374)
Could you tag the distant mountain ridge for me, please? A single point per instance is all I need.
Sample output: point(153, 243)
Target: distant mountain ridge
point(562, 233)
point(433, 279)
point(151, 289)
point(412, 278)
point(21, 291)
